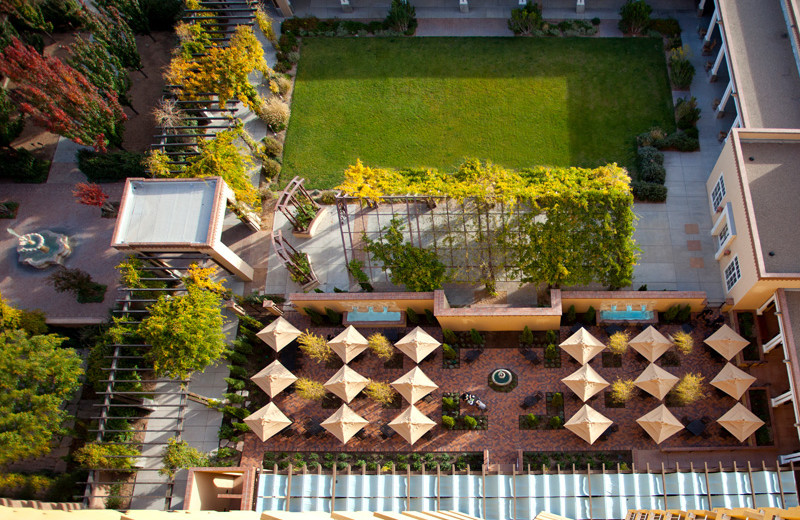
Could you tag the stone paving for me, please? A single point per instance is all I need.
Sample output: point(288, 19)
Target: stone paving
point(503, 437)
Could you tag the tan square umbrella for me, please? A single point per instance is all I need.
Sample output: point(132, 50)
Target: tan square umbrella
point(588, 424)
point(278, 334)
point(417, 344)
point(660, 424)
point(733, 381)
point(412, 424)
point(273, 378)
point(349, 344)
point(650, 343)
point(344, 423)
point(585, 382)
point(740, 421)
point(726, 341)
point(582, 346)
point(267, 421)
point(656, 381)
point(346, 383)
point(414, 385)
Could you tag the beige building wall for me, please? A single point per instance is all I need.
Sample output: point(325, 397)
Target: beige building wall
point(741, 246)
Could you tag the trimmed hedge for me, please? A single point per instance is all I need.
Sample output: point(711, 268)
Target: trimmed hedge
point(649, 191)
point(112, 166)
point(20, 165)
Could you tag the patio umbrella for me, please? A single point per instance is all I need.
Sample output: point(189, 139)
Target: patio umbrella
point(278, 334)
point(417, 344)
point(733, 381)
point(726, 341)
point(650, 343)
point(414, 385)
point(660, 424)
point(585, 382)
point(412, 424)
point(588, 424)
point(349, 344)
point(740, 421)
point(582, 346)
point(346, 383)
point(344, 423)
point(273, 378)
point(656, 381)
point(267, 421)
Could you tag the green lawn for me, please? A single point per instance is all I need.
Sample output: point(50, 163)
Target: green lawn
point(518, 102)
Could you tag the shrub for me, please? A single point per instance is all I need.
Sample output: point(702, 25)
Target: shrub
point(689, 389)
point(275, 113)
point(288, 42)
point(411, 316)
point(649, 191)
point(449, 404)
point(683, 142)
point(475, 337)
point(334, 318)
point(381, 346)
point(162, 15)
point(525, 20)
point(556, 422)
point(270, 168)
point(449, 352)
point(470, 422)
point(551, 336)
point(649, 154)
point(532, 420)
point(681, 70)
point(683, 342)
point(315, 347)
point(569, 317)
point(79, 283)
point(618, 342)
point(271, 147)
point(430, 317)
point(590, 315)
point(671, 313)
point(634, 17)
point(449, 336)
point(20, 165)
point(652, 172)
point(95, 455)
point(595, 21)
point(380, 392)
point(666, 26)
point(653, 137)
point(402, 17)
point(448, 422)
point(111, 166)
point(551, 352)
point(179, 455)
point(686, 113)
point(526, 337)
point(622, 390)
point(309, 389)
point(33, 322)
point(684, 314)
point(557, 400)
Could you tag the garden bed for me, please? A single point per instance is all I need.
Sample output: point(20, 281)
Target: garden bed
point(396, 362)
point(610, 402)
point(525, 422)
point(759, 405)
point(372, 461)
point(581, 459)
point(611, 360)
point(670, 358)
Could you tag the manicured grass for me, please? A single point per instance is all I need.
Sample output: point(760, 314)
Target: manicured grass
point(518, 102)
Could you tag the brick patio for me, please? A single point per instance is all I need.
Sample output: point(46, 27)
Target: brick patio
point(503, 437)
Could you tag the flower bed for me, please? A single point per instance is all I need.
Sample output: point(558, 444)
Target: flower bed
point(372, 461)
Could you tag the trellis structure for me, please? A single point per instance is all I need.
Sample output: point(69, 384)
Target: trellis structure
point(292, 199)
point(469, 237)
point(296, 262)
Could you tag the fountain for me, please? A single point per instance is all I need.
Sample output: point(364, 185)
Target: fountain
point(42, 249)
point(502, 380)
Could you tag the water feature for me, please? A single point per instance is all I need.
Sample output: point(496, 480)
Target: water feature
point(629, 314)
point(502, 377)
point(42, 249)
point(372, 315)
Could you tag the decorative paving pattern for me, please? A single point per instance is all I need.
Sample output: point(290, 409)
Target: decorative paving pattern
point(503, 437)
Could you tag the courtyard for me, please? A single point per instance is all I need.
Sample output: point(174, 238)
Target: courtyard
point(395, 102)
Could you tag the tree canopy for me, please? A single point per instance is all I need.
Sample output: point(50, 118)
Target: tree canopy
point(36, 377)
point(569, 226)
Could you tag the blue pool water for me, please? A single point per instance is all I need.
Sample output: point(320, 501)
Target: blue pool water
point(629, 314)
point(373, 315)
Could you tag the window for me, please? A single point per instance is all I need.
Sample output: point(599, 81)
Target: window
point(732, 273)
point(718, 193)
point(724, 233)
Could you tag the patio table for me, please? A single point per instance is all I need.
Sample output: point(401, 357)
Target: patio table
point(696, 427)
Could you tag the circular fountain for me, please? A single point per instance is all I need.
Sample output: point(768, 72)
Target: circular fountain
point(502, 380)
point(42, 248)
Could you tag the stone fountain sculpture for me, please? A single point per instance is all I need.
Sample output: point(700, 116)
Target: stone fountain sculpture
point(42, 249)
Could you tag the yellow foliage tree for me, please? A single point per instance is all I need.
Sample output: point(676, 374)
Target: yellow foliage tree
point(622, 390)
point(315, 347)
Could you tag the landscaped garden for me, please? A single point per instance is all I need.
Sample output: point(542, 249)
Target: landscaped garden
point(396, 102)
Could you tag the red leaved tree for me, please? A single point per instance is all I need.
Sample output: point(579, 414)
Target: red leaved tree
point(92, 195)
point(61, 99)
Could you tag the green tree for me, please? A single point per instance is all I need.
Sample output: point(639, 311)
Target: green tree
point(185, 332)
point(310, 389)
point(381, 346)
point(380, 392)
point(97, 455)
point(179, 455)
point(101, 68)
point(36, 377)
point(111, 29)
point(11, 122)
point(418, 269)
point(315, 347)
point(634, 17)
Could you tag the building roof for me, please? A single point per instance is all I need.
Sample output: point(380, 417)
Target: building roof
point(170, 212)
point(763, 63)
point(774, 184)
